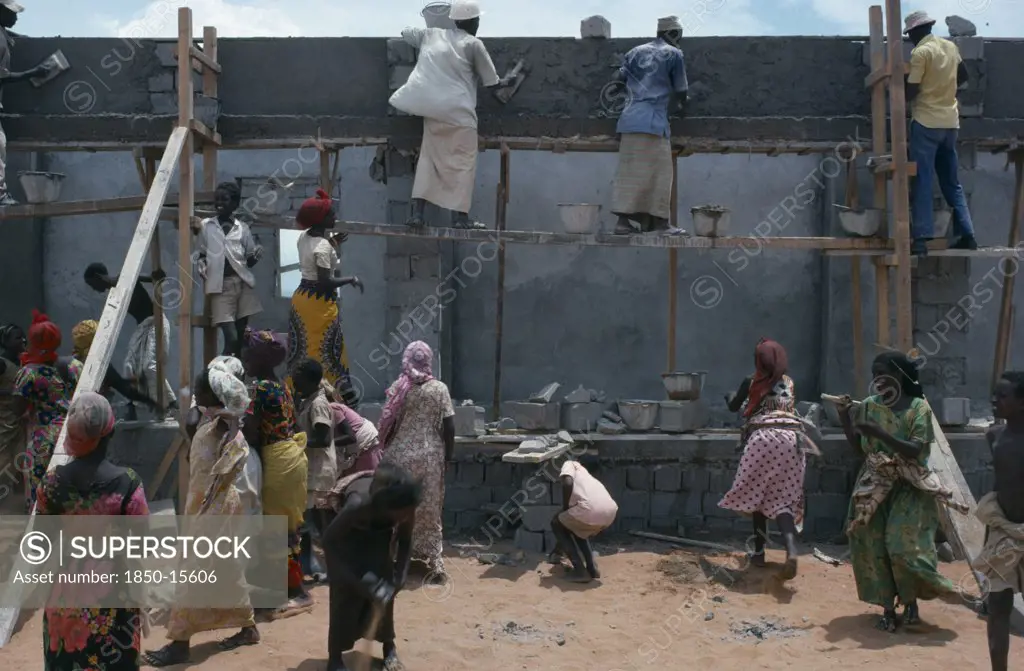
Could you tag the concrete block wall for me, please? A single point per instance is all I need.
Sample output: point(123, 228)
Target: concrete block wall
point(941, 292)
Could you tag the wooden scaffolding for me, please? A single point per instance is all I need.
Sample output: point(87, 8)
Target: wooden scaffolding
point(890, 256)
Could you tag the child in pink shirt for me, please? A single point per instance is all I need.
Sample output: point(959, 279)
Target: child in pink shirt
point(587, 510)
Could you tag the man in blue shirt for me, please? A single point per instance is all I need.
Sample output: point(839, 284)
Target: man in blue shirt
point(655, 78)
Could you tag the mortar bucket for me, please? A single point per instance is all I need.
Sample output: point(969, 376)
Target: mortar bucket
point(436, 15)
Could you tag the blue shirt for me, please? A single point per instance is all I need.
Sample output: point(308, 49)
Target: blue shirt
point(653, 72)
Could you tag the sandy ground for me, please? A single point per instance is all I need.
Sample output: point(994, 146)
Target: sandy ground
point(654, 606)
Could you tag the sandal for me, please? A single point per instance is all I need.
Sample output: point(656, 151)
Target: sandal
point(888, 622)
point(789, 569)
point(757, 559)
point(911, 615)
point(245, 637)
point(169, 655)
point(469, 225)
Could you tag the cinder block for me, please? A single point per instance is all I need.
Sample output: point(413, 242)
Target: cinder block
point(400, 52)
point(504, 495)
point(557, 492)
point(664, 524)
point(533, 416)
point(956, 411)
point(166, 52)
point(967, 156)
point(469, 421)
point(971, 48)
point(529, 541)
point(721, 480)
point(537, 490)
point(163, 103)
point(471, 474)
point(710, 508)
point(596, 27)
point(667, 478)
point(638, 478)
point(827, 506)
point(207, 110)
point(581, 416)
point(688, 526)
point(826, 528)
point(410, 246)
point(426, 267)
point(465, 498)
point(614, 480)
point(398, 76)
point(397, 268)
point(696, 478)
point(498, 474)
point(472, 521)
point(635, 504)
point(972, 110)
point(538, 518)
point(664, 504)
point(682, 416)
point(693, 504)
point(925, 316)
point(632, 523)
point(834, 481)
point(161, 83)
point(449, 518)
point(409, 294)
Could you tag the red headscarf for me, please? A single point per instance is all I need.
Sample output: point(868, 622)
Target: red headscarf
point(43, 341)
point(770, 364)
point(314, 210)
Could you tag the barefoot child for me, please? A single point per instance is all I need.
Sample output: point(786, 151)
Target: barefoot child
point(1002, 511)
point(368, 547)
point(587, 510)
point(227, 253)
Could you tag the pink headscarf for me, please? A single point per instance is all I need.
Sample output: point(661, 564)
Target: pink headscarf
point(417, 368)
point(90, 419)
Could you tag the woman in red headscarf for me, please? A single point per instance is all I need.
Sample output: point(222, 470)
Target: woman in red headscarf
point(47, 394)
point(769, 483)
point(314, 329)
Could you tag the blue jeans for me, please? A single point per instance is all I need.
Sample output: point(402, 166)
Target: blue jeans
point(934, 152)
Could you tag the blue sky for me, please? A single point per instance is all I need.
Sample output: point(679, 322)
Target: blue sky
point(248, 18)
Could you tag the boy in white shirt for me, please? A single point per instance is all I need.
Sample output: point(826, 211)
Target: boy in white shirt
point(587, 510)
point(227, 253)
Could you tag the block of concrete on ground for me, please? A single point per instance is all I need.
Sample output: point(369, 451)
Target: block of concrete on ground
point(581, 416)
point(682, 416)
point(529, 541)
point(533, 416)
point(538, 518)
point(956, 411)
point(469, 421)
point(596, 27)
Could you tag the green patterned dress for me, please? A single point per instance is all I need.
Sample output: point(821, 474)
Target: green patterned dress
point(894, 554)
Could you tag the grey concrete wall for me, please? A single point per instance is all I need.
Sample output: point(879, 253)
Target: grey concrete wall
point(786, 87)
point(21, 256)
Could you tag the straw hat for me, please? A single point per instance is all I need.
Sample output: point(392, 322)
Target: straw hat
point(13, 6)
point(916, 20)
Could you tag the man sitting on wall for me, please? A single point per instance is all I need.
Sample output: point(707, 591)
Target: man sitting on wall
point(9, 11)
point(936, 71)
point(654, 75)
point(442, 89)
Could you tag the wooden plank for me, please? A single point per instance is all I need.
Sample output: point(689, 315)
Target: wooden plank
point(186, 189)
point(857, 305)
point(178, 445)
point(884, 320)
point(1006, 302)
point(879, 146)
point(209, 135)
point(210, 89)
point(209, 61)
point(71, 208)
point(149, 173)
point(673, 272)
point(505, 177)
point(877, 76)
point(114, 312)
point(967, 532)
point(900, 179)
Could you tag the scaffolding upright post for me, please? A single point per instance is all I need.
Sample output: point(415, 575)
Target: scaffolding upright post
point(209, 181)
point(879, 144)
point(673, 269)
point(1006, 301)
point(186, 205)
point(900, 177)
point(501, 208)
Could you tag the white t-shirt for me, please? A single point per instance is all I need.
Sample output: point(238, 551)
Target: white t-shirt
point(315, 252)
point(443, 84)
point(589, 503)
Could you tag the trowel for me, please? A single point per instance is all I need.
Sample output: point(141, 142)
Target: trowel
point(56, 63)
point(517, 75)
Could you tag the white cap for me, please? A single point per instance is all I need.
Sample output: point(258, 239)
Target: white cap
point(13, 6)
point(464, 10)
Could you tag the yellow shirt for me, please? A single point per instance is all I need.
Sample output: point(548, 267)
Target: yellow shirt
point(933, 65)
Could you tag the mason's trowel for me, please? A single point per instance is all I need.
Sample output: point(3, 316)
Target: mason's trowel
point(55, 64)
point(516, 75)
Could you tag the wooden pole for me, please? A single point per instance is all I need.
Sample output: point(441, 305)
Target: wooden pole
point(501, 211)
point(879, 146)
point(900, 178)
point(111, 322)
point(186, 205)
point(1006, 305)
point(853, 202)
point(673, 270)
point(158, 302)
point(210, 89)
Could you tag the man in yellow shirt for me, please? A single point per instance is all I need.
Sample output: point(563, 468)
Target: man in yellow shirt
point(936, 71)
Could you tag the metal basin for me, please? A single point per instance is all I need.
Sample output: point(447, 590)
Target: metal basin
point(684, 386)
point(861, 223)
point(579, 217)
point(639, 415)
point(436, 15)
